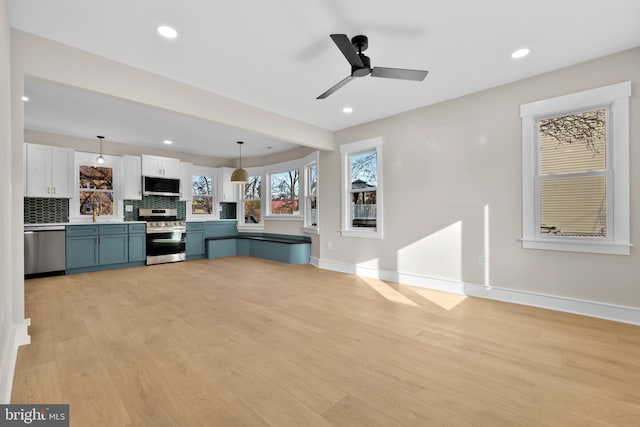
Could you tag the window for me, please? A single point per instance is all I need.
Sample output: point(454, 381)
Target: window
point(361, 188)
point(202, 203)
point(96, 190)
point(99, 188)
point(311, 195)
point(284, 193)
point(252, 199)
point(576, 172)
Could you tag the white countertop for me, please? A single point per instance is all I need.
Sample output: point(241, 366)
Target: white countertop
point(53, 224)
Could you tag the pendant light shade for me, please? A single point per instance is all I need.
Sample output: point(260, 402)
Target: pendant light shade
point(100, 159)
point(240, 176)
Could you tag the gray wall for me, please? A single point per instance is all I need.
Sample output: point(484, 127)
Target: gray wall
point(444, 163)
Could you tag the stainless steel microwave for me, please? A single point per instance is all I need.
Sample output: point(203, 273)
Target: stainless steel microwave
point(152, 186)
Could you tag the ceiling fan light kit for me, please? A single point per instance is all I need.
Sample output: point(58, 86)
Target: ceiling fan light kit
point(361, 64)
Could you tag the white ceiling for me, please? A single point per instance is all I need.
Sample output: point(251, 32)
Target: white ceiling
point(64, 110)
point(277, 54)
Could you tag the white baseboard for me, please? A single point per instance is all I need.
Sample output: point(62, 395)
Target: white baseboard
point(18, 335)
point(600, 310)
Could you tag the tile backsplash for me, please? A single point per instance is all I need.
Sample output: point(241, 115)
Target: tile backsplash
point(41, 210)
point(227, 210)
point(157, 202)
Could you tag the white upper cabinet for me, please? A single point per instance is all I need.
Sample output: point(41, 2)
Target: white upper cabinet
point(228, 191)
point(186, 178)
point(132, 178)
point(49, 171)
point(161, 167)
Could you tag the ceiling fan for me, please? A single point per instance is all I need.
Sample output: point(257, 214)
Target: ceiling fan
point(361, 64)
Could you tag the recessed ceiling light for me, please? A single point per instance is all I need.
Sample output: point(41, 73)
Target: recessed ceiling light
point(167, 32)
point(520, 53)
point(168, 141)
point(25, 98)
point(347, 110)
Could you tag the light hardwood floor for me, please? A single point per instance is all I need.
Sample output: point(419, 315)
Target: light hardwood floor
point(248, 342)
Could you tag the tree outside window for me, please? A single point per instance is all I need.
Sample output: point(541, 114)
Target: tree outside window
point(284, 193)
point(96, 190)
point(252, 200)
point(312, 195)
point(202, 202)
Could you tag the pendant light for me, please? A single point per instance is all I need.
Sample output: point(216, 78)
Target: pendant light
point(240, 176)
point(100, 159)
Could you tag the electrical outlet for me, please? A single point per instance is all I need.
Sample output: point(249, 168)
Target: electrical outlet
point(481, 260)
point(128, 208)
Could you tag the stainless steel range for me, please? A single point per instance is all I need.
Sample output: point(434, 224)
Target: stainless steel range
point(166, 235)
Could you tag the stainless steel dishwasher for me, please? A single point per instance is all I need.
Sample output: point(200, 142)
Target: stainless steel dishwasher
point(44, 249)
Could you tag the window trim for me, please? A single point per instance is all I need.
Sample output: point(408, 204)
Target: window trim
point(275, 169)
point(242, 226)
point(616, 98)
point(115, 162)
point(346, 150)
point(215, 203)
point(311, 159)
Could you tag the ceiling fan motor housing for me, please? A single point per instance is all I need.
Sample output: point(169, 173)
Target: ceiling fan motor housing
point(362, 71)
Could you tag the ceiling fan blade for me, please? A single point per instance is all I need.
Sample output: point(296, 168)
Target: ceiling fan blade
point(336, 87)
point(347, 49)
point(399, 73)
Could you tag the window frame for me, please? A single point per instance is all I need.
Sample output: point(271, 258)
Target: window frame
point(213, 174)
point(266, 195)
point(89, 159)
point(346, 151)
point(614, 98)
point(309, 161)
point(255, 171)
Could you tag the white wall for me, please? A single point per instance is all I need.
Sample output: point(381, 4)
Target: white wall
point(444, 163)
point(13, 330)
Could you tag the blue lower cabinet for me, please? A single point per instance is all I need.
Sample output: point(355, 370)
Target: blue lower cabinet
point(99, 247)
point(82, 251)
point(114, 249)
point(137, 247)
point(137, 243)
point(195, 240)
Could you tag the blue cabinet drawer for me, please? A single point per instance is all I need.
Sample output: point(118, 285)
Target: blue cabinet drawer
point(114, 229)
point(137, 228)
point(82, 230)
point(195, 226)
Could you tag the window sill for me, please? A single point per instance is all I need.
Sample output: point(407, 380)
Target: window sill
point(283, 218)
point(574, 245)
point(311, 230)
point(249, 228)
point(202, 217)
point(362, 234)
